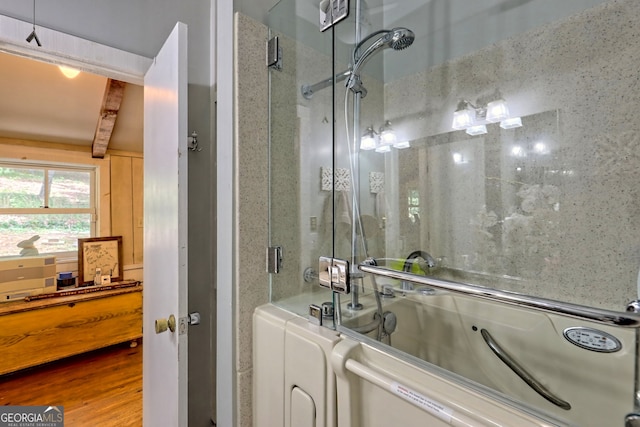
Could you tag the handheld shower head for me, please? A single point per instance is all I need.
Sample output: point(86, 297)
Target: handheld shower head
point(401, 38)
point(397, 38)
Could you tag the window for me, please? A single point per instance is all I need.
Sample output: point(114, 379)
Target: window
point(413, 201)
point(57, 203)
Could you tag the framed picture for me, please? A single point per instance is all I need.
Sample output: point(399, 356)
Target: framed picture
point(104, 253)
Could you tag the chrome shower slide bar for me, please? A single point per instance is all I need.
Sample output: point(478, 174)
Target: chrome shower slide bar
point(309, 90)
point(607, 317)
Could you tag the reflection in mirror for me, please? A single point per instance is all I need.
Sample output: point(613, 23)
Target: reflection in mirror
point(491, 207)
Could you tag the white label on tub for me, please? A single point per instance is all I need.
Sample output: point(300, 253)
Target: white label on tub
point(431, 406)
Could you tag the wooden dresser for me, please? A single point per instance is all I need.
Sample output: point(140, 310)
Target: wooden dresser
point(40, 331)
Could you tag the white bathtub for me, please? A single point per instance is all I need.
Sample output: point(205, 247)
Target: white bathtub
point(445, 330)
point(305, 375)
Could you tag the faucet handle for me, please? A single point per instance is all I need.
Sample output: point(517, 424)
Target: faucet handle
point(387, 291)
point(633, 306)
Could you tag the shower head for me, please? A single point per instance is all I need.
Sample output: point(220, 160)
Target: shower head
point(401, 38)
point(397, 38)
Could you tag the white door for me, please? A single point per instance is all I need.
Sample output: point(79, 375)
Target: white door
point(165, 234)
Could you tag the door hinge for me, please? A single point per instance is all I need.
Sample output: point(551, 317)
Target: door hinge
point(332, 12)
point(334, 274)
point(274, 54)
point(274, 259)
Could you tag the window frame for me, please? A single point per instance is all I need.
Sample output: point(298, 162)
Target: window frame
point(46, 167)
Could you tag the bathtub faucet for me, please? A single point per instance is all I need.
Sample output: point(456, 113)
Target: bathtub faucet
point(427, 263)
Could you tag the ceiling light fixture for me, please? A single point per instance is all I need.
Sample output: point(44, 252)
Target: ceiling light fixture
point(473, 119)
point(70, 73)
point(33, 35)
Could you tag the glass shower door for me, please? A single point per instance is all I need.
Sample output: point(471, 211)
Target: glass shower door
point(488, 144)
point(301, 161)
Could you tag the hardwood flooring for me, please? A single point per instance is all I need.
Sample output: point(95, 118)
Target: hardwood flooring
point(101, 388)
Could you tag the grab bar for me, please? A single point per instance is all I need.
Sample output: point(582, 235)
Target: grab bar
point(437, 408)
point(522, 372)
point(608, 317)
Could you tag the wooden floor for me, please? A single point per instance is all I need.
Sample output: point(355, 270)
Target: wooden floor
point(102, 388)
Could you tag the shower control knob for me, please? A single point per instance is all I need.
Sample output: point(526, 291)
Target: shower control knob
point(633, 306)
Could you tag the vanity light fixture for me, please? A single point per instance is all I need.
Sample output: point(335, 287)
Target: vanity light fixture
point(497, 110)
point(473, 119)
point(514, 122)
point(383, 140)
point(387, 134)
point(464, 116)
point(383, 148)
point(368, 140)
point(476, 130)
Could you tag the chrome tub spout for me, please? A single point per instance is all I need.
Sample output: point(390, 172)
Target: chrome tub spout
point(423, 260)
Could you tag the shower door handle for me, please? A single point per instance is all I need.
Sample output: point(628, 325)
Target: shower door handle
point(522, 372)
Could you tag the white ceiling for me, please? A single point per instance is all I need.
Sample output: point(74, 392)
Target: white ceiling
point(37, 102)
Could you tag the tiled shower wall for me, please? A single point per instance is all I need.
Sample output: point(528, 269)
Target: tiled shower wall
point(582, 71)
point(251, 198)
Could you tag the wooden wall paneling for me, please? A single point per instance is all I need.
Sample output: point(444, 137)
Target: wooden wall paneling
point(122, 205)
point(137, 174)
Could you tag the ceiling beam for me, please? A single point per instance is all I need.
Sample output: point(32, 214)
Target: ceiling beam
point(111, 101)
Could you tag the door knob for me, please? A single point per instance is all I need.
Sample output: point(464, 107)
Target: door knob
point(163, 324)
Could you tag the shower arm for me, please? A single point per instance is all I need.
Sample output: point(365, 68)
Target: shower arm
point(309, 90)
